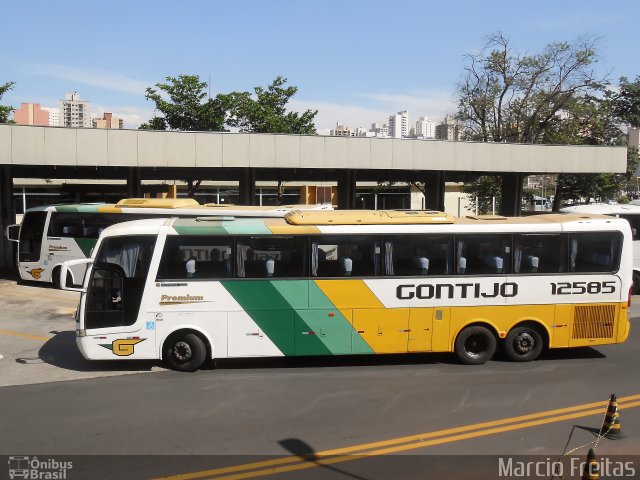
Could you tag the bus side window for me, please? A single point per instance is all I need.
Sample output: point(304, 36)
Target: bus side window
point(345, 256)
point(539, 253)
point(594, 251)
point(483, 254)
point(195, 257)
point(412, 255)
point(272, 256)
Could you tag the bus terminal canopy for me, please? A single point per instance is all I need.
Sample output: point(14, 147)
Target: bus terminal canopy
point(80, 147)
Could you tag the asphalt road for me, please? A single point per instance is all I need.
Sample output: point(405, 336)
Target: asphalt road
point(421, 407)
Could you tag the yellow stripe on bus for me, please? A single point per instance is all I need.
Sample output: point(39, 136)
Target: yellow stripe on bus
point(349, 294)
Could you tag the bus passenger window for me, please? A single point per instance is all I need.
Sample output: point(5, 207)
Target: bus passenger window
point(272, 256)
point(345, 256)
point(594, 252)
point(195, 257)
point(539, 253)
point(413, 255)
point(483, 254)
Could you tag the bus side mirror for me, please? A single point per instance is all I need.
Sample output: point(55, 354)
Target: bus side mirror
point(64, 270)
point(12, 232)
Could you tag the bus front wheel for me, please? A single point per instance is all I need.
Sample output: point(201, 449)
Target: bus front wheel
point(55, 278)
point(475, 345)
point(523, 344)
point(185, 352)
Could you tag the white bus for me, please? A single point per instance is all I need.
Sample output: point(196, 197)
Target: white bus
point(630, 213)
point(51, 235)
point(354, 282)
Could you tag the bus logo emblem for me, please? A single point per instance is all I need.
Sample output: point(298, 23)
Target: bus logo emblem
point(36, 272)
point(123, 347)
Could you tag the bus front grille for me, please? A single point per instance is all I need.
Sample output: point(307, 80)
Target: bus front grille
point(594, 321)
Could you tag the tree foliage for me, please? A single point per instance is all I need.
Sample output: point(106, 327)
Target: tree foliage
point(483, 192)
point(267, 111)
point(508, 97)
point(626, 102)
point(5, 111)
point(183, 104)
point(553, 97)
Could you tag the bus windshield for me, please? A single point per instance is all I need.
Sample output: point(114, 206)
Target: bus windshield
point(31, 236)
point(117, 281)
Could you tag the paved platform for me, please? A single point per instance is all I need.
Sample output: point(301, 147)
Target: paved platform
point(37, 338)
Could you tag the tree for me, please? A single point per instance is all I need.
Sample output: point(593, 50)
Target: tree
point(184, 104)
point(552, 97)
point(483, 193)
point(187, 106)
point(5, 111)
point(626, 103)
point(508, 97)
point(267, 112)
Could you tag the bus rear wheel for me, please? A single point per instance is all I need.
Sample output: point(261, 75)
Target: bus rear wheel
point(475, 345)
point(523, 344)
point(635, 289)
point(185, 352)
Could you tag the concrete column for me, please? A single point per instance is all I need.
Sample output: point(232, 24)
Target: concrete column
point(434, 191)
point(7, 217)
point(511, 202)
point(247, 186)
point(346, 189)
point(134, 182)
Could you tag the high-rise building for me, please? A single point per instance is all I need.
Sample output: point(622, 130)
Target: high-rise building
point(449, 129)
point(380, 130)
point(54, 116)
point(108, 121)
point(340, 131)
point(399, 125)
point(74, 112)
point(31, 114)
point(425, 128)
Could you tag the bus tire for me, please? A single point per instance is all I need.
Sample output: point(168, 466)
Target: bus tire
point(55, 278)
point(185, 352)
point(635, 290)
point(475, 345)
point(524, 344)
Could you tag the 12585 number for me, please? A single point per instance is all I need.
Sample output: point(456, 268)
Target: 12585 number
point(578, 288)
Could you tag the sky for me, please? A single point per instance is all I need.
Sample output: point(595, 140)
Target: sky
point(356, 62)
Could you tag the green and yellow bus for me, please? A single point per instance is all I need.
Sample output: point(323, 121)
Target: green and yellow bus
point(354, 282)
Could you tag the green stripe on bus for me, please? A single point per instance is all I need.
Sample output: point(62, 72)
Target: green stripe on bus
point(77, 208)
point(201, 230)
point(86, 244)
point(267, 308)
point(247, 227)
point(324, 320)
point(276, 317)
point(319, 300)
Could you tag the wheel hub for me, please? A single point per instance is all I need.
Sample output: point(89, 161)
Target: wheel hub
point(524, 343)
point(476, 344)
point(182, 351)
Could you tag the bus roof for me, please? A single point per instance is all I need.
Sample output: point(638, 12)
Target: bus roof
point(604, 209)
point(168, 206)
point(219, 225)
